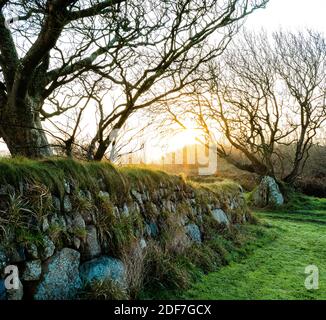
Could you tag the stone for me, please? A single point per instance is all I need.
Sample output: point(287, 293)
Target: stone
point(88, 195)
point(62, 223)
point(47, 249)
point(16, 294)
point(184, 220)
point(67, 187)
point(61, 280)
point(78, 222)
point(91, 247)
point(68, 219)
point(135, 208)
point(33, 270)
point(168, 205)
point(45, 224)
point(142, 243)
point(193, 232)
point(220, 216)
point(67, 206)
point(101, 183)
point(152, 208)
point(104, 195)
point(125, 210)
point(31, 251)
point(152, 229)
point(58, 221)
point(56, 203)
point(116, 211)
point(54, 222)
point(103, 268)
point(137, 196)
point(268, 193)
point(77, 243)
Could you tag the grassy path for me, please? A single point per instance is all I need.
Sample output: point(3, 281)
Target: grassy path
point(276, 270)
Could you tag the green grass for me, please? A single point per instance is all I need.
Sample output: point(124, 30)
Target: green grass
point(297, 202)
point(275, 269)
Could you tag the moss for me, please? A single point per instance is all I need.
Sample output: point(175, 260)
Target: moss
point(54, 171)
point(151, 178)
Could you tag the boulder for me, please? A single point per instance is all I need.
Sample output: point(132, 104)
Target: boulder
point(67, 186)
point(91, 247)
point(61, 280)
point(268, 193)
point(67, 205)
point(151, 229)
point(125, 210)
point(47, 249)
point(78, 222)
point(45, 224)
point(142, 243)
point(220, 216)
point(102, 269)
point(33, 270)
point(193, 232)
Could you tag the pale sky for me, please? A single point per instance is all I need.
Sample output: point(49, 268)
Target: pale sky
point(290, 14)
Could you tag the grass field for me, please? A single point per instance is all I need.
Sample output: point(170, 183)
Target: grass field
point(276, 268)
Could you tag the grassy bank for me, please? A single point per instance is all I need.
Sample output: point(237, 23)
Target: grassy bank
point(274, 271)
point(272, 260)
point(200, 262)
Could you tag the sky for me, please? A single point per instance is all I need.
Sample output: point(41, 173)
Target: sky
point(290, 14)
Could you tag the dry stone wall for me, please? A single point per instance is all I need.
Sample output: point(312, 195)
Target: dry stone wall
point(84, 235)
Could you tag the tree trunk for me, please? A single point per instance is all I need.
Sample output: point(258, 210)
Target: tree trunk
point(101, 150)
point(24, 135)
point(292, 176)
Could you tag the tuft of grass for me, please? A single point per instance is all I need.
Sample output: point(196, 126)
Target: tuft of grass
point(165, 271)
point(103, 290)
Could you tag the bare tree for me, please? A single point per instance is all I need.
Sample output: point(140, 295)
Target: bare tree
point(265, 93)
point(301, 63)
point(133, 44)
